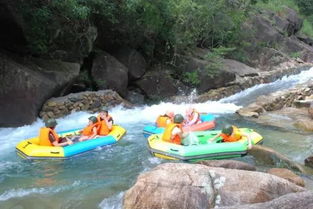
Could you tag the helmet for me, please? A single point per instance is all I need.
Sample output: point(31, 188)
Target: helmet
point(178, 118)
point(228, 129)
point(50, 123)
point(104, 109)
point(93, 119)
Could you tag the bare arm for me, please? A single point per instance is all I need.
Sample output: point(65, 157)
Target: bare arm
point(94, 133)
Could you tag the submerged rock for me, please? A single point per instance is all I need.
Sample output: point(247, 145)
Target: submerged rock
point(177, 185)
point(309, 161)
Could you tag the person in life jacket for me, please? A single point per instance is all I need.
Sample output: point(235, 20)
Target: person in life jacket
point(192, 117)
point(105, 122)
point(173, 132)
point(232, 134)
point(48, 136)
point(91, 130)
point(164, 120)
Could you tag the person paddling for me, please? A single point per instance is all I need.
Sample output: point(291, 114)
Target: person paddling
point(48, 136)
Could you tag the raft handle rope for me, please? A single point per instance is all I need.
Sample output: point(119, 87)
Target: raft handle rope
point(55, 152)
point(28, 143)
point(175, 150)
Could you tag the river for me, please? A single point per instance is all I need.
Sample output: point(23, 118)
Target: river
point(98, 179)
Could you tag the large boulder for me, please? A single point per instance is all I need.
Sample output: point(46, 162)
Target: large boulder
point(239, 68)
point(206, 78)
point(175, 185)
point(230, 164)
point(299, 200)
point(26, 83)
point(287, 174)
point(109, 73)
point(157, 84)
point(133, 60)
point(309, 161)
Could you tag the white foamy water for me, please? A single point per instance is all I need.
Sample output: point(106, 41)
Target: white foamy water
point(249, 95)
point(114, 202)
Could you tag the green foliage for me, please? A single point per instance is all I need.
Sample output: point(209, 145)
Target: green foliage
point(307, 27)
point(295, 54)
point(192, 78)
point(305, 6)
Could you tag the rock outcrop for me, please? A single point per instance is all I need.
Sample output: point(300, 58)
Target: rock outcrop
point(175, 185)
point(91, 101)
point(26, 83)
point(287, 174)
point(109, 73)
point(230, 164)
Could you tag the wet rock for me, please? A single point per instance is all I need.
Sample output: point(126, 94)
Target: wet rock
point(135, 97)
point(239, 68)
point(309, 161)
point(231, 164)
point(26, 83)
point(133, 60)
point(310, 110)
point(299, 200)
point(288, 175)
point(84, 101)
point(269, 156)
point(109, 73)
point(199, 186)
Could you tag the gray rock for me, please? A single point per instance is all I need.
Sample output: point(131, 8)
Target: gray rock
point(230, 164)
point(26, 83)
point(109, 73)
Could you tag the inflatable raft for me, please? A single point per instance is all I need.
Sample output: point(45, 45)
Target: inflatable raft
point(208, 122)
point(197, 148)
point(30, 149)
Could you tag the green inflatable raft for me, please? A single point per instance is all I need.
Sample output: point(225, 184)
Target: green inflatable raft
point(196, 147)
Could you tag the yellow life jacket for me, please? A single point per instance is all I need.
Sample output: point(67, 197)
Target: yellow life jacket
point(167, 135)
point(162, 121)
point(44, 136)
point(235, 136)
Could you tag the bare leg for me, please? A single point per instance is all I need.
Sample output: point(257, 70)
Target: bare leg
point(83, 138)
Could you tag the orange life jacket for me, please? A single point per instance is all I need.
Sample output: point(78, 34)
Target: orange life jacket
point(88, 131)
point(162, 121)
point(167, 135)
point(103, 127)
point(44, 136)
point(235, 136)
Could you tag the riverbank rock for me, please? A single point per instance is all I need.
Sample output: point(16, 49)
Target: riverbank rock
point(245, 82)
point(286, 108)
point(109, 73)
point(91, 101)
point(230, 164)
point(309, 161)
point(287, 174)
point(299, 200)
point(26, 83)
point(177, 185)
point(268, 156)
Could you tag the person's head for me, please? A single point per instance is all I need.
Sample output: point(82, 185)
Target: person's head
point(51, 123)
point(92, 120)
point(228, 130)
point(103, 112)
point(178, 118)
point(170, 113)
